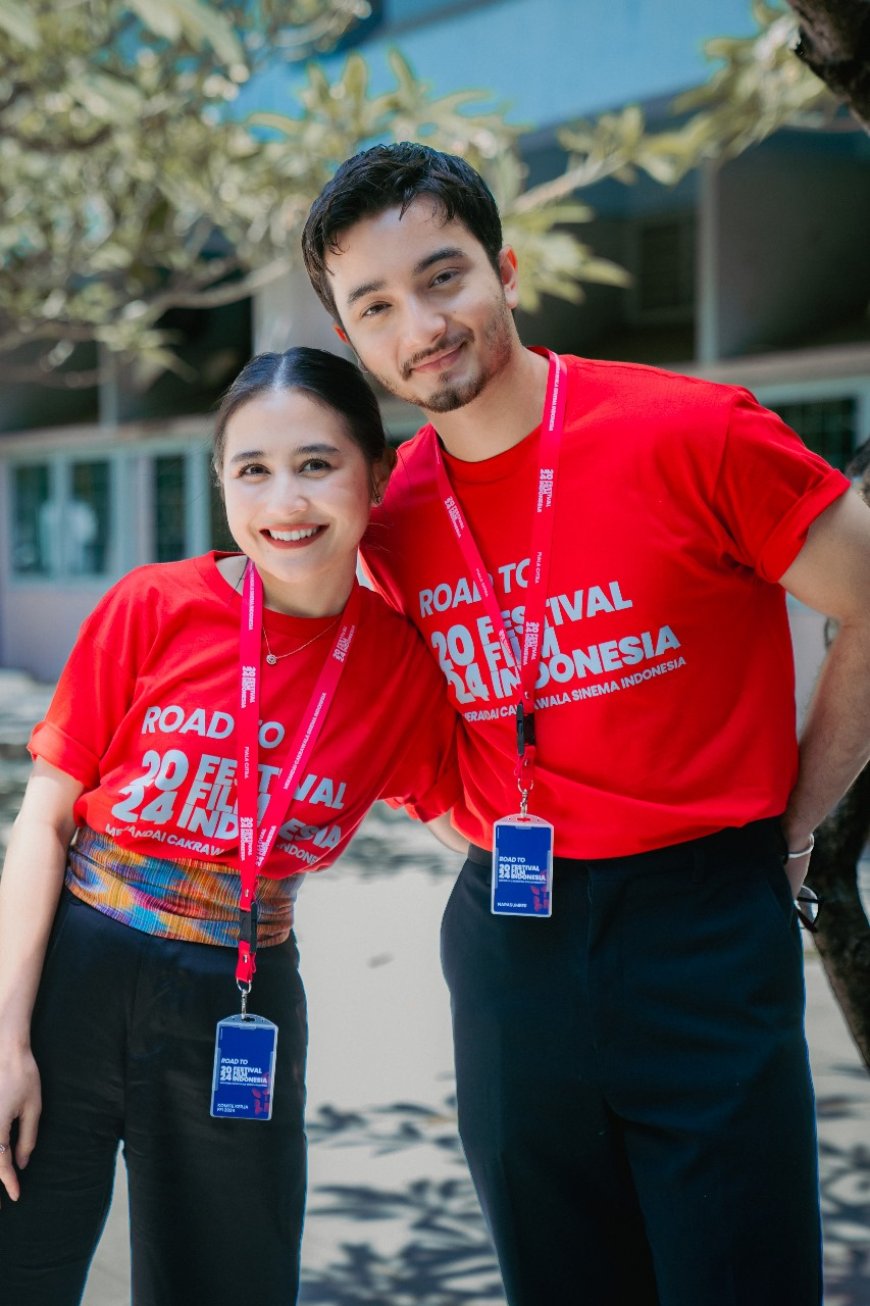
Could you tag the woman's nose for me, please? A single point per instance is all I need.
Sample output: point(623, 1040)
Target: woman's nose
point(289, 493)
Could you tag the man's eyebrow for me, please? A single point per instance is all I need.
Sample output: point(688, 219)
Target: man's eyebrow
point(449, 251)
point(437, 256)
point(367, 288)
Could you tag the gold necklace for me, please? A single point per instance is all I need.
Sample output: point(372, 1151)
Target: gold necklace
point(273, 658)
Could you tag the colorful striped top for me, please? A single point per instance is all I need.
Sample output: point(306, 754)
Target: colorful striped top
point(197, 902)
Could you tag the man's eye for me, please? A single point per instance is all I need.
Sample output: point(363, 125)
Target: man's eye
point(373, 310)
point(443, 278)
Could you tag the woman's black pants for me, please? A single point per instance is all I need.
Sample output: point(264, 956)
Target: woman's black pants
point(634, 1092)
point(124, 1038)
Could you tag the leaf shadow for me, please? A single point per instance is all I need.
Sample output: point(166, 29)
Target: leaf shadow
point(444, 1256)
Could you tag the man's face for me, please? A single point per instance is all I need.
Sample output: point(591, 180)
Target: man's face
point(423, 307)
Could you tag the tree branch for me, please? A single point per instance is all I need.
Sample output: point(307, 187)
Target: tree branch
point(835, 45)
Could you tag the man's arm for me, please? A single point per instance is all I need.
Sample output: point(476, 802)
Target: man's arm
point(832, 574)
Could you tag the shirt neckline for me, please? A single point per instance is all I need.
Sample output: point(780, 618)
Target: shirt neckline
point(281, 622)
point(498, 468)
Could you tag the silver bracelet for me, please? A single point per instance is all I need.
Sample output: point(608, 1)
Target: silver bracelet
point(802, 852)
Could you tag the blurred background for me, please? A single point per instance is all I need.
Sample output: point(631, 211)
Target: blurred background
point(681, 190)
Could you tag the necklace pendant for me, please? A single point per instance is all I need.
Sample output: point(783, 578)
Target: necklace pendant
point(271, 659)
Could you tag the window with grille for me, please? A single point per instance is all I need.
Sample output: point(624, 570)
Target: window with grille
point(827, 426)
point(170, 500)
point(61, 518)
point(664, 262)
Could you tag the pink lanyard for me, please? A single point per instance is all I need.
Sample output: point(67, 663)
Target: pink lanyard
point(256, 844)
point(552, 426)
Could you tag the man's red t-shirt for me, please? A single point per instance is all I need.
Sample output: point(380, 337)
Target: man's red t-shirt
point(144, 717)
point(665, 700)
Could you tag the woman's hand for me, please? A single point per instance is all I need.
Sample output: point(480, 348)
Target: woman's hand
point(29, 890)
point(21, 1101)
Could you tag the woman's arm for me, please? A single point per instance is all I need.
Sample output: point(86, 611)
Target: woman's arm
point(445, 833)
point(29, 890)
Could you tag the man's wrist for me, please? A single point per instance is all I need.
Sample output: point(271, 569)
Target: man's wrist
point(803, 850)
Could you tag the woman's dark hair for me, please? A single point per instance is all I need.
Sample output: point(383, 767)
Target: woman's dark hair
point(325, 378)
point(388, 177)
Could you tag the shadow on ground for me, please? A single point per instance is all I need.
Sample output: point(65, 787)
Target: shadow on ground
point(444, 1256)
point(845, 1172)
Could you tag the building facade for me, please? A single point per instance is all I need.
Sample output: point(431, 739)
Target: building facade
point(756, 272)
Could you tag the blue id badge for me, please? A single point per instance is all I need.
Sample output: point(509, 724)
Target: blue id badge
point(244, 1068)
point(522, 867)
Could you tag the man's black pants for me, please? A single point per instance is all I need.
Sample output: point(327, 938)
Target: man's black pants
point(123, 1034)
point(634, 1092)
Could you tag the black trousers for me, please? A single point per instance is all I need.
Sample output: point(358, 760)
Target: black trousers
point(634, 1093)
point(124, 1038)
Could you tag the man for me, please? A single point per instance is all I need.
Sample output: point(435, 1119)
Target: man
point(598, 555)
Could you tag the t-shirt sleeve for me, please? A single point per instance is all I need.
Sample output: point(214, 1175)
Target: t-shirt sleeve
point(92, 695)
point(425, 777)
point(376, 575)
point(770, 488)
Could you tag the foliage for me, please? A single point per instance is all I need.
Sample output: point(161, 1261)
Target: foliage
point(127, 187)
point(756, 87)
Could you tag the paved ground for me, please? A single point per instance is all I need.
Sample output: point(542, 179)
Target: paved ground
point(384, 1162)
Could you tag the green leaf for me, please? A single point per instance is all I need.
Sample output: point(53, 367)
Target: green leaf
point(356, 76)
point(160, 18)
point(200, 23)
point(19, 23)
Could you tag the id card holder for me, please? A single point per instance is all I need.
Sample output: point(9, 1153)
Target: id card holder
point(522, 867)
point(244, 1068)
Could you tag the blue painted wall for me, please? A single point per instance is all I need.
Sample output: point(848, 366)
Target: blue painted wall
point(550, 59)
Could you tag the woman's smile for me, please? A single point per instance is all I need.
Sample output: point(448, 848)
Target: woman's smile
point(297, 490)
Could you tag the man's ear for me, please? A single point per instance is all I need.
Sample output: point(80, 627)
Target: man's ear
point(341, 333)
point(507, 267)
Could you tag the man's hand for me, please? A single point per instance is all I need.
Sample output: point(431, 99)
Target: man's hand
point(796, 869)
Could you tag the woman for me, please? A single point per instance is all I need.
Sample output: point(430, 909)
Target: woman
point(272, 667)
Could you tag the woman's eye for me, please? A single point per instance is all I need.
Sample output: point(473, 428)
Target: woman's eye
point(315, 465)
point(253, 469)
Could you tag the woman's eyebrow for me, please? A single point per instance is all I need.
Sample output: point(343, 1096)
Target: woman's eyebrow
point(247, 454)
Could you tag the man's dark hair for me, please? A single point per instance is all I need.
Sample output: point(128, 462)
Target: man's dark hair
point(393, 176)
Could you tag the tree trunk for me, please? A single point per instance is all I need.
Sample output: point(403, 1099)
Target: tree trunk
point(835, 44)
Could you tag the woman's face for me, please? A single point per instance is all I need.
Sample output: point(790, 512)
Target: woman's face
point(297, 491)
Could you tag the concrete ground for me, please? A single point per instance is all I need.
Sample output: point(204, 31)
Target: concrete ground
point(384, 1158)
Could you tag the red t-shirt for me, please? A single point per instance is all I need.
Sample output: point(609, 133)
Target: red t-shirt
point(665, 700)
point(143, 716)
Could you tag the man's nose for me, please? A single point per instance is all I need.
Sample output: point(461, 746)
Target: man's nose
point(424, 325)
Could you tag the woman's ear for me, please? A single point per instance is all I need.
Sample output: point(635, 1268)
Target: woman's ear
point(381, 473)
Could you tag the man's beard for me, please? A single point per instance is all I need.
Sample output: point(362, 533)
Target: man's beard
point(497, 345)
